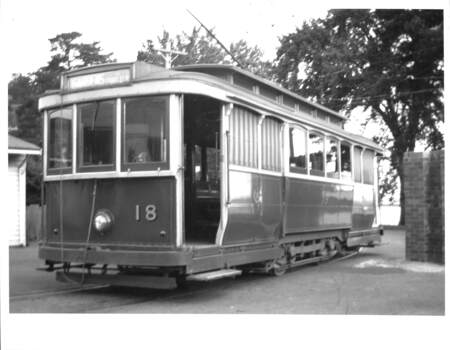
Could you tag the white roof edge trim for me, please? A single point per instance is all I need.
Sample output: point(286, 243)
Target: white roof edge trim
point(140, 88)
point(24, 151)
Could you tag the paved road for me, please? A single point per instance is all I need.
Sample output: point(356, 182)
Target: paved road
point(377, 281)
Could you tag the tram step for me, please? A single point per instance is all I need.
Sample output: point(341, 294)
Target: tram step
point(213, 275)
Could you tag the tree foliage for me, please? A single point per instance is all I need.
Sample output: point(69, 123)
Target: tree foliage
point(201, 48)
point(24, 92)
point(67, 54)
point(388, 61)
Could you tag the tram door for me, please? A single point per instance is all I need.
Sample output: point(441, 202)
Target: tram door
point(202, 169)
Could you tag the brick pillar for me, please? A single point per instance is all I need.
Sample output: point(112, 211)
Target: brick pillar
point(424, 206)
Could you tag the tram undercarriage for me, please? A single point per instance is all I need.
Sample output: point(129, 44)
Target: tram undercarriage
point(167, 270)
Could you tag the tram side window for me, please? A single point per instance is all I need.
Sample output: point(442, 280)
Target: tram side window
point(145, 136)
point(346, 163)
point(332, 158)
point(315, 148)
point(59, 155)
point(297, 150)
point(271, 144)
point(244, 137)
point(96, 130)
point(368, 156)
point(357, 163)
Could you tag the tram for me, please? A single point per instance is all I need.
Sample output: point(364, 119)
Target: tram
point(154, 176)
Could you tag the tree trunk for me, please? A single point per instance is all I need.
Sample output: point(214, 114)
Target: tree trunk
point(402, 192)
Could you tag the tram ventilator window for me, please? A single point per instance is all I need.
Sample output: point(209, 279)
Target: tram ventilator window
point(271, 144)
point(244, 137)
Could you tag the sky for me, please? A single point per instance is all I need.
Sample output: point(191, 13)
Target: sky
point(123, 26)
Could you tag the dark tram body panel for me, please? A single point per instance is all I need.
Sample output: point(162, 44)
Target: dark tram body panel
point(364, 210)
point(120, 196)
point(315, 206)
point(254, 213)
point(201, 174)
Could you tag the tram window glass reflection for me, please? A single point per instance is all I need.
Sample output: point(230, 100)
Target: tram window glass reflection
point(346, 163)
point(59, 155)
point(297, 150)
point(357, 163)
point(96, 135)
point(145, 135)
point(368, 170)
point(332, 157)
point(315, 148)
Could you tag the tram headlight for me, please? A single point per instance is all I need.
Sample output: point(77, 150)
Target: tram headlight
point(103, 220)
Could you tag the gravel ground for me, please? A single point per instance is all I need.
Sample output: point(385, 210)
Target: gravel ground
point(377, 281)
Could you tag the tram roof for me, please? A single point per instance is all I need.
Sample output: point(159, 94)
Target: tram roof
point(130, 72)
point(214, 69)
point(144, 70)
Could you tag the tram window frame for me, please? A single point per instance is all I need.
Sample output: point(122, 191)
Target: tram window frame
point(147, 165)
point(368, 167)
point(336, 173)
point(357, 163)
point(69, 143)
point(295, 168)
point(346, 164)
point(315, 171)
point(81, 145)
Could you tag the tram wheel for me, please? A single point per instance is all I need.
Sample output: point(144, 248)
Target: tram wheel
point(339, 249)
point(279, 267)
point(278, 271)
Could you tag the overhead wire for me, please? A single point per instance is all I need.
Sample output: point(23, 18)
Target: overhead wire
point(218, 41)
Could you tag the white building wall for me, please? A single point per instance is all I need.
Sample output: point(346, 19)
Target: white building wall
point(16, 188)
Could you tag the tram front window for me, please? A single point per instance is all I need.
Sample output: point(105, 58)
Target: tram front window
point(60, 140)
point(145, 132)
point(96, 135)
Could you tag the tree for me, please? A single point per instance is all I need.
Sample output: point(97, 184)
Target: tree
point(202, 48)
point(24, 92)
point(388, 61)
point(67, 54)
